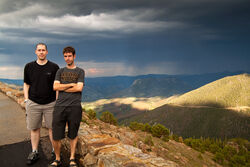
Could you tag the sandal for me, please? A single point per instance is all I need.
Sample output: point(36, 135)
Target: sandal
point(55, 163)
point(74, 164)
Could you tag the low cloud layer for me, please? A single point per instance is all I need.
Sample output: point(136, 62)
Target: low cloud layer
point(11, 72)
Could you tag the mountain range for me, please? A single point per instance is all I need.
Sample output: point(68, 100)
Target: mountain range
point(218, 109)
point(147, 85)
point(142, 85)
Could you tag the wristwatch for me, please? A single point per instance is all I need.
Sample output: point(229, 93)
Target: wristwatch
point(25, 101)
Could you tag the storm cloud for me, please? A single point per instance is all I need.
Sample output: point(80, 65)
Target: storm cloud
point(128, 37)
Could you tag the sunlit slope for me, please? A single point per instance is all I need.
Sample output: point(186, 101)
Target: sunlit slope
point(232, 91)
point(196, 122)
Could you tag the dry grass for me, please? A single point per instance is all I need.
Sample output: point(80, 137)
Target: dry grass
point(233, 92)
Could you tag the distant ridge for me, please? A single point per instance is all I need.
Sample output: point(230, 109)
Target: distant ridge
point(149, 85)
point(155, 86)
point(232, 91)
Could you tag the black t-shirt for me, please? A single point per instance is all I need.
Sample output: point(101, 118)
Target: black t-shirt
point(65, 76)
point(41, 79)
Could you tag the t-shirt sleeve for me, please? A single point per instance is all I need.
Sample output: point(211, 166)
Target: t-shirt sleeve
point(81, 76)
point(26, 77)
point(58, 75)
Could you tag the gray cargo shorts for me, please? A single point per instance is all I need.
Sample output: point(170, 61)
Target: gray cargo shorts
point(35, 113)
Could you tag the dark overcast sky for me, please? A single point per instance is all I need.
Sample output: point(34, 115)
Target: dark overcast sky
point(117, 37)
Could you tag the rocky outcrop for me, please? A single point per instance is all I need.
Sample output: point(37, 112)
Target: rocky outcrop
point(104, 145)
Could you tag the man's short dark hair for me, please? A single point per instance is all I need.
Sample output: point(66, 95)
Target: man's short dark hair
point(69, 49)
point(42, 44)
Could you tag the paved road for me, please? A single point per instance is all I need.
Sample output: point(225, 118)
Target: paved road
point(14, 136)
point(14, 155)
point(12, 121)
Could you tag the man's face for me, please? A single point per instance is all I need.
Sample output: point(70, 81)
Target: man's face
point(69, 58)
point(41, 52)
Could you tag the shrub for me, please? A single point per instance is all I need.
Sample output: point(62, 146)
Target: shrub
point(159, 130)
point(85, 121)
point(219, 157)
point(175, 138)
point(206, 143)
point(149, 141)
point(91, 114)
point(233, 153)
point(238, 160)
point(188, 142)
point(108, 118)
point(136, 126)
point(165, 138)
point(228, 152)
point(147, 128)
point(248, 157)
point(214, 148)
point(180, 139)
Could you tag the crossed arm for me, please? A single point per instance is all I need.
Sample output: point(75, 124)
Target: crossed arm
point(71, 87)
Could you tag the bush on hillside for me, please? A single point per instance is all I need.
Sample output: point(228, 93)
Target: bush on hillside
point(147, 128)
point(214, 148)
point(181, 139)
point(219, 157)
point(165, 138)
point(228, 152)
point(238, 160)
point(108, 118)
point(159, 131)
point(91, 114)
point(136, 126)
point(234, 152)
point(175, 137)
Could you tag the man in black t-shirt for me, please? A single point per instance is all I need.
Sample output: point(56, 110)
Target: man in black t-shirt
point(39, 97)
point(69, 81)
